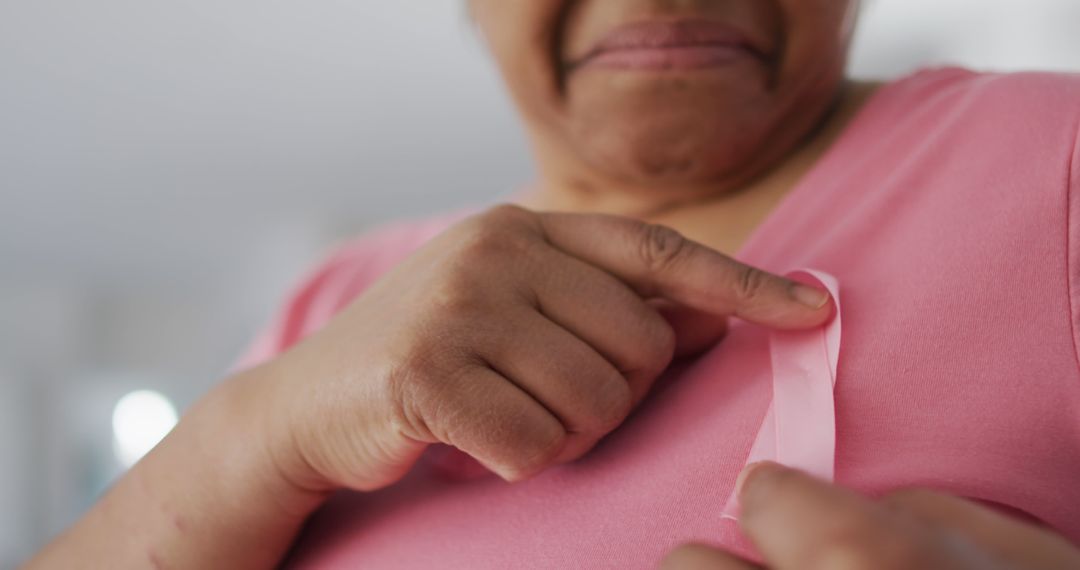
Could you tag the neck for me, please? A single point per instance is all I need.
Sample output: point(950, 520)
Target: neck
point(737, 205)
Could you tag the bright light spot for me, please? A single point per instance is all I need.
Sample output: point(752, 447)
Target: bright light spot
point(140, 420)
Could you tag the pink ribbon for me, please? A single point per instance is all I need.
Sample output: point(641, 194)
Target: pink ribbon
point(799, 429)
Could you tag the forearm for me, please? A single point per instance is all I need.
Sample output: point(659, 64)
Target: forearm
point(209, 496)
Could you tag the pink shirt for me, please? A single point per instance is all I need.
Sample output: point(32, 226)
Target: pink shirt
point(949, 212)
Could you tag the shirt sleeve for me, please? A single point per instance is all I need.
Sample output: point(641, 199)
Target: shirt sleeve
point(310, 305)
point(336, 282)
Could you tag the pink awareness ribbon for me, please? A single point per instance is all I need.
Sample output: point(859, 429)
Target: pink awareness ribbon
point(799, 429)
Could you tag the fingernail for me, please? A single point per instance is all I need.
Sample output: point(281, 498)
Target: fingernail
point(810, 296)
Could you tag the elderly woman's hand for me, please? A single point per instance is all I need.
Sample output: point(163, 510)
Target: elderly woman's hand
point(800, 523)
point(520, 338)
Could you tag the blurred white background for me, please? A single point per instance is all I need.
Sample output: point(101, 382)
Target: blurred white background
point(168, 169)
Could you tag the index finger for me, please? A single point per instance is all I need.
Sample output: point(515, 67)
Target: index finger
point(657, 261)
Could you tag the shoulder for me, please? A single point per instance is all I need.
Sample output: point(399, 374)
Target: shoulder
point(1022, 125)
point(1023, 93)
point(331, 285)
point(1004, 108)
point(1004, 151)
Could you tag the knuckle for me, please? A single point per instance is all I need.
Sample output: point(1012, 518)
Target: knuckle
point(537, 450)
point(661, 247)
point(481, 240)
point(614, 404)
point(750, 283)
point(662, 340)
point(502, 231)
point(507, 213)
point(453, 296)
point(654, 351)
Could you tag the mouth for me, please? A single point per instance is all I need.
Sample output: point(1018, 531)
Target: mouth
point(672, 45)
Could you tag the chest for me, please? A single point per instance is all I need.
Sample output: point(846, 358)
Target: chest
point(956, 372)
point(932, 396)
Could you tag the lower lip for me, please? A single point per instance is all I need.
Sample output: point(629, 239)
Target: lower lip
point(670, 58)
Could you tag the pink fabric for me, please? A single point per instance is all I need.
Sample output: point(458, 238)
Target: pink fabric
point(949, 213)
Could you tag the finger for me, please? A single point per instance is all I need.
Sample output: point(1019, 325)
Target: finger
point(488, 417)
point(565, 375)
point(695, 332)
point(792, 517)
point(607, 315)
point(797, 521)
point(659, 262)
point(1015, 542)
point(701, 557)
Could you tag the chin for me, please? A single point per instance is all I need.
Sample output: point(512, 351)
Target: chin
point(674, 128)
point(648, 160)
point(675, 145)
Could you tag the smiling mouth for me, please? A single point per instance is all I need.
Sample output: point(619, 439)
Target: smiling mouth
point(671, 45)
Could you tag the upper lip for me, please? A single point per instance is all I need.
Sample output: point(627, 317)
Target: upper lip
point(659, 34)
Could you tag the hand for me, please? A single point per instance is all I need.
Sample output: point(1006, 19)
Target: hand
point(798, 522)
point(520, 338)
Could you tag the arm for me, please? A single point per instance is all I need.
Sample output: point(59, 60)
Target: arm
point(211, 495)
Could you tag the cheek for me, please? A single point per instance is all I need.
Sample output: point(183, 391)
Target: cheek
point(817, 33)
point(521, 37)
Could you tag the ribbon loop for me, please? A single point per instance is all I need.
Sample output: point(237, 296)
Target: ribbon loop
point(799, 429)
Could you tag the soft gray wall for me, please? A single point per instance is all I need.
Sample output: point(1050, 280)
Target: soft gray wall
point(167, 168)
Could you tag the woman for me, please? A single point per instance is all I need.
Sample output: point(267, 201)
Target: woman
point(944, 203)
